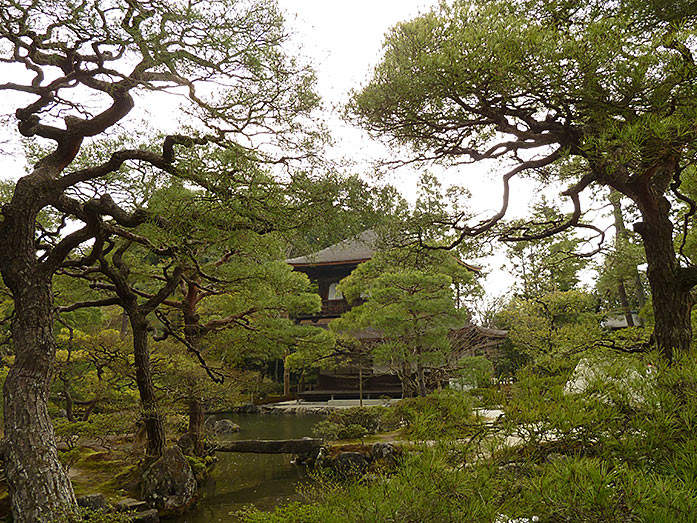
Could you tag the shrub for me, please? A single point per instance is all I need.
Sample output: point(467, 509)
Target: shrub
point(330, 431)
point(327, 430)
point(353, 431)
point(354, 423)
point(600, 456)
point(474, 371)
point(447, 413)
point(86, 515)
point(367, 417)
point(442, 414)
point(100, 427)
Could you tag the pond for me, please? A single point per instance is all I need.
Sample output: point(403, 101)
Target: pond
point(262, 480)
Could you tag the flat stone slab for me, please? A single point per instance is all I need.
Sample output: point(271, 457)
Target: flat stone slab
point(131, 504)
point(148, 516)
point(261, 446)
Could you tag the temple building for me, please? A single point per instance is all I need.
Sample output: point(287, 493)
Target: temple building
point(326, 268)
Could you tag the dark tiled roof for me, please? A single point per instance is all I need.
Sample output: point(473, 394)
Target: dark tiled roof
point(360, 248)
point(357, 249)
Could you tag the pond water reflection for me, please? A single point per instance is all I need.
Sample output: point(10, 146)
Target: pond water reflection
point(263, 480)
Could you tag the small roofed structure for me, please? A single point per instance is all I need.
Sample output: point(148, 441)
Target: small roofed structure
point(329, 266)
point(350, 251)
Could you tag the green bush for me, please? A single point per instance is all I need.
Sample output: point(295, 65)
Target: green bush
point(442, 414)
point(370, 418)
point(327, 430)
point(354, 423)
point(353, 431)
point(590, 490)
point(474, 371)
point(99, 427)
point(426, 488)
point(86, 515)
point(604, 455)
point(490, 397)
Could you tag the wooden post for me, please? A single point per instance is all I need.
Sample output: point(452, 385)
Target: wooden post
point(360, 383)
point(286, 375)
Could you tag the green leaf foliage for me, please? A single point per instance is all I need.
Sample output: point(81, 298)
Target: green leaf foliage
point(553, 330)
point(597, 456)
point(583, 95)
point(408, 298)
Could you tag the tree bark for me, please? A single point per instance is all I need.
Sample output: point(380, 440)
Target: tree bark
point(404, 375)
point(197, 415)
point(421, 379)
point(152, 420)
point(672, 304)
point(39, 487)
point(68, 404)
point(621, 232)
point(192, 334)
point(286, 375)
point(123, 330)
point(624, 303)
point(37, 483)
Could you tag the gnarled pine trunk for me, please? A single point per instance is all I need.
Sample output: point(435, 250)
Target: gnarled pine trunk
point(193, 334)
point(38, 485)
point(672, 305)
point(152, 419)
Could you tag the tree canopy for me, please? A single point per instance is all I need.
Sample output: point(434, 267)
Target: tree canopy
point(74, 72)
point(408, 300)
point(587, 93)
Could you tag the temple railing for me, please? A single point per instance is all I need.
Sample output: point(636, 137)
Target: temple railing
point(334, 307)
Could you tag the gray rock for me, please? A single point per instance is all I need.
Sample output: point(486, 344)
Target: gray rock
point(225, 426)
point(186, 444)
point(350, 464)
point(169, 483)
point(385, 453)
point(92, 501)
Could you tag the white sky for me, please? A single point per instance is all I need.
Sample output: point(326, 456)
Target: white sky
point(344, 41)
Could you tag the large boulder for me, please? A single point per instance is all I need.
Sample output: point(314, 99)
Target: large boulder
point(350, 464)
point(169, 483)
point(385, 454)
point(225, 426)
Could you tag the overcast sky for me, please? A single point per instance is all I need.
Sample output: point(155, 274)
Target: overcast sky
point(344, 41)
